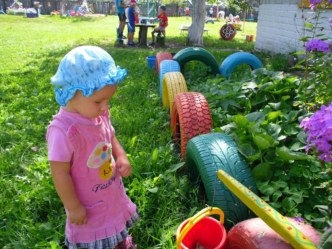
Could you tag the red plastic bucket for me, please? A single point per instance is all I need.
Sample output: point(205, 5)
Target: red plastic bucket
point(203, 231)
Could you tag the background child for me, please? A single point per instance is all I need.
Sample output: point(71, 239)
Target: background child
point(120, 8)
point(81, 144)
point(131, 22)
point(163, 23)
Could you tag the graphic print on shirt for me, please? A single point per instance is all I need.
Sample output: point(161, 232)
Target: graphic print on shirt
point(101, 159)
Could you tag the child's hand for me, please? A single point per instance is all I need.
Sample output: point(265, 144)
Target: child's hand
point(123, 166)
point(78, 215)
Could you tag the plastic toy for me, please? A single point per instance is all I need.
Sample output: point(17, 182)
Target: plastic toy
point(270, 216)
point(202, 231)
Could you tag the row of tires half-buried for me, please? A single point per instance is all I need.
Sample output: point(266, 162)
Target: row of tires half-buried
point(204, 151)
point(200, 54)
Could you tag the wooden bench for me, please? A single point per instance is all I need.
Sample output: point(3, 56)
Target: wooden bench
point(184, 28)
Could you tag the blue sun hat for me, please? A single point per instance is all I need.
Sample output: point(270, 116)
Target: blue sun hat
point(85, 68)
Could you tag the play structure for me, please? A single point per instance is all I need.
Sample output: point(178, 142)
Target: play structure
point(215, 165)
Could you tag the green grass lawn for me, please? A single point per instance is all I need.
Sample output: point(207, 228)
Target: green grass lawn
point(27, 38)
point(31, 214)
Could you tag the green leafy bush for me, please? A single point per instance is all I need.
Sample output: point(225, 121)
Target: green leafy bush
point(261, 116)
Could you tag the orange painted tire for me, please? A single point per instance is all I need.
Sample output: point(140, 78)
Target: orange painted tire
point(190, 117)
point(162, 56)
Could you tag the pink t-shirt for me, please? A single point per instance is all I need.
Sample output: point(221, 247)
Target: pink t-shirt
point(87, 145)
point(59, 147)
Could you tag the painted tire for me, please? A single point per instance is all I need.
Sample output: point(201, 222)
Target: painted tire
point(160, 57)
point(198, 54)
point(205, 154)
point(173, 83)
point(166, 66)
point(236, 59)
point(227, 32)
point(256, 234)
point(190, 117)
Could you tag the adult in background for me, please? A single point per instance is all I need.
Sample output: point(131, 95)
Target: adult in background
point(121, 6)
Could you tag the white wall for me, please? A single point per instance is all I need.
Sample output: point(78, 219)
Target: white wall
point(280, 27)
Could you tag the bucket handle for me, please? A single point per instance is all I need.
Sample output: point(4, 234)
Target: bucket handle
point(196, 218)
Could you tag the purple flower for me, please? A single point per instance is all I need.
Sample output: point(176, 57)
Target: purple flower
point(299, 219)
point(330, 21)
point(317, 45)
point(314, 3)
point(319, 129)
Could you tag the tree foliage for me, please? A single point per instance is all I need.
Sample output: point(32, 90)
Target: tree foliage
point(237, 6)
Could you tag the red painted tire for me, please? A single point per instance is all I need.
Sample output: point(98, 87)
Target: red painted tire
point(227, 32)
point(160, 57)
point(255, 234)
point(190, 117)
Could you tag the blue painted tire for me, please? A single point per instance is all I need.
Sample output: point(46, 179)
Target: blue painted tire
point(236, 59)
point(197, 54)
point(166, 66)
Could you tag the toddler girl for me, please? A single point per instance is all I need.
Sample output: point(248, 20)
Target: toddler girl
point(81, 144)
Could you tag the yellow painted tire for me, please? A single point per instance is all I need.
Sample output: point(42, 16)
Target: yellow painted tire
point(173, 83)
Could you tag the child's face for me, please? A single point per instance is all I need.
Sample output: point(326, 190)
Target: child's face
point(94, 105)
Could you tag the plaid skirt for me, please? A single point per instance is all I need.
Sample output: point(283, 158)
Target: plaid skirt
point(122, 240)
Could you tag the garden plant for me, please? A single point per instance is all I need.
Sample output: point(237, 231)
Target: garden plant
point(261, 110)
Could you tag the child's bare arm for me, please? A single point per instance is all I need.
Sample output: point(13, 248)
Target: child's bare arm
point(65, 188)
point(122, 162)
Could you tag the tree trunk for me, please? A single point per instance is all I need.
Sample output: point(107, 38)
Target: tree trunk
point(195, 31)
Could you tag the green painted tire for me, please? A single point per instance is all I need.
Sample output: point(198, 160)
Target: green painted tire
point(197, 54)
point(205, 155)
